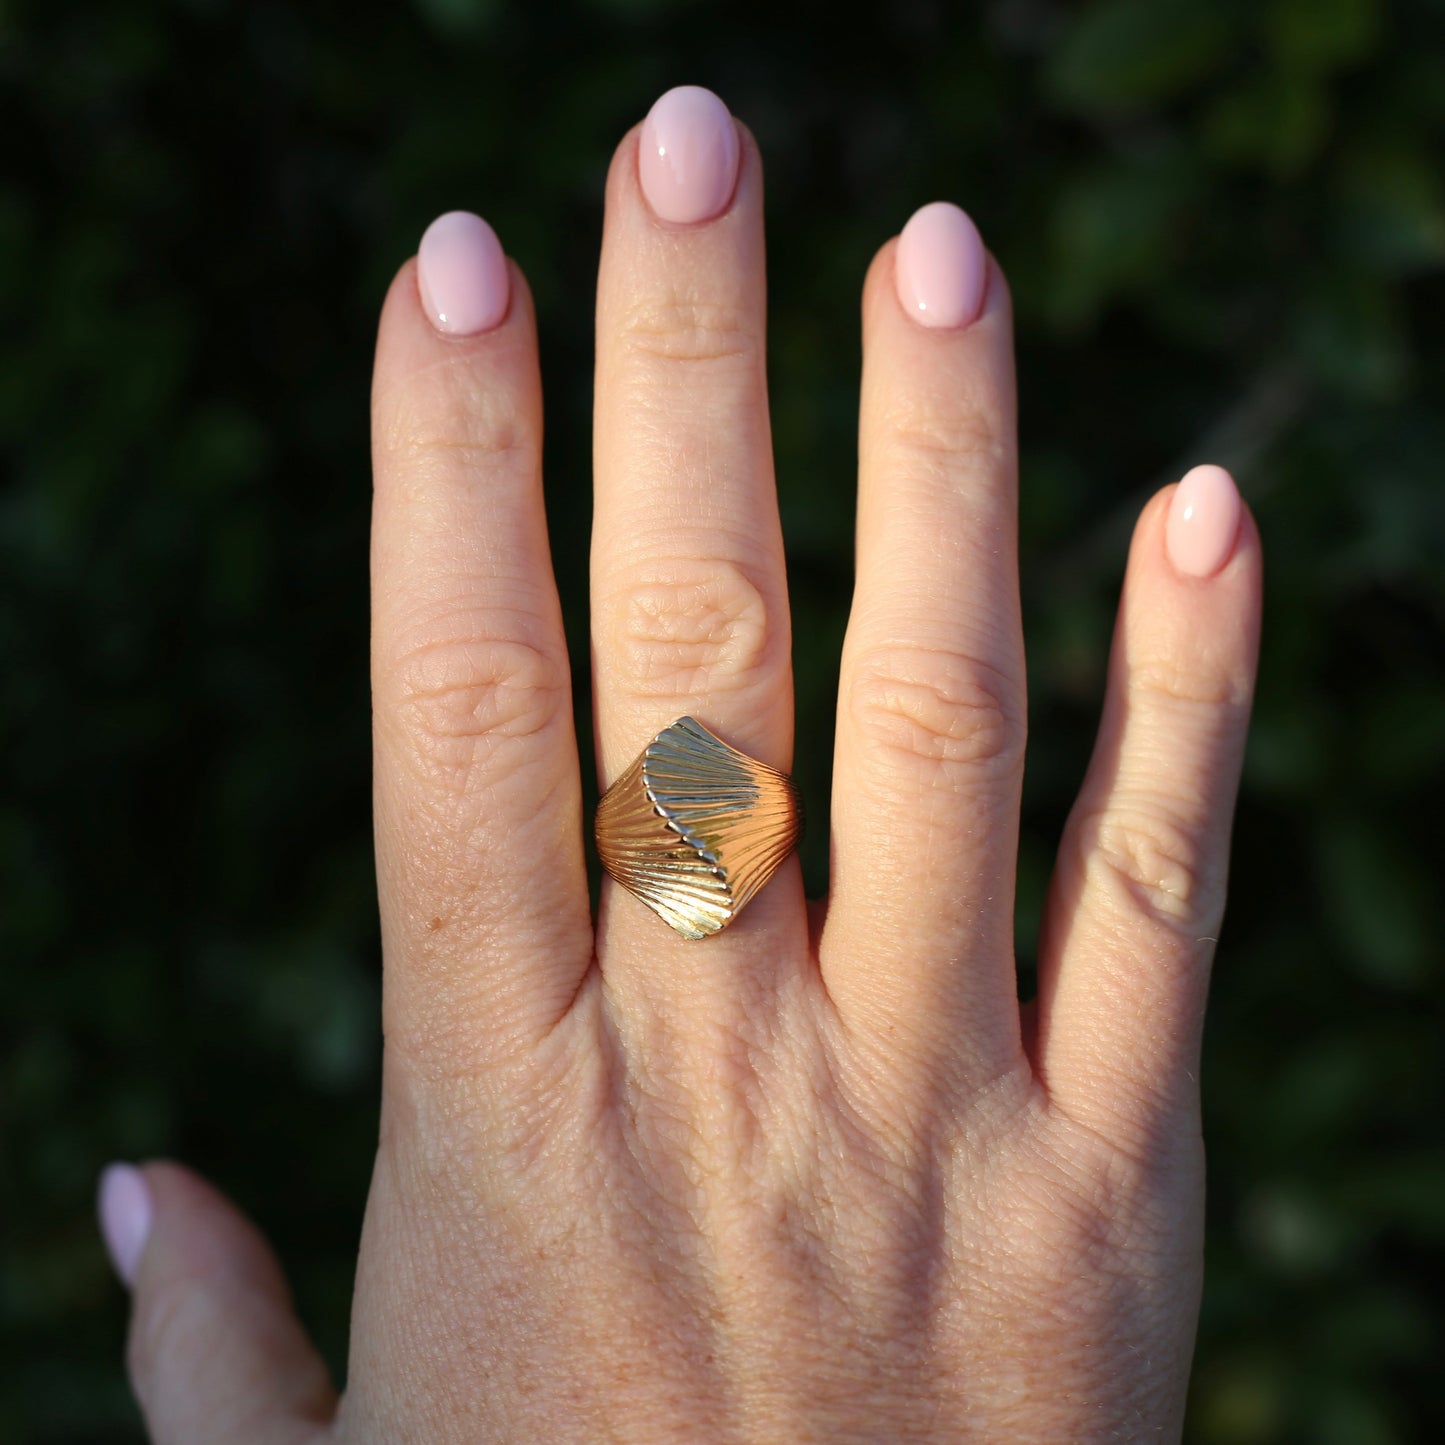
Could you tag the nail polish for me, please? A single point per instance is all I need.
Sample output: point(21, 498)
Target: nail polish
point(687, 157)
point(126, 1212)
point(1203, 521)
point(941, 267)
point(461, 273)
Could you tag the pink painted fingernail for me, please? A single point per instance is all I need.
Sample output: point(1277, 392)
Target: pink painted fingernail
point(461, 273)
point(126, 1212)
point(1203, 521)
point(688, 155)
point(941, 266)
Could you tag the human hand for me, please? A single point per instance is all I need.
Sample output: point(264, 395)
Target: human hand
point(819, 1177)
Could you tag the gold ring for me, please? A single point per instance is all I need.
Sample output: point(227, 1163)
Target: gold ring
point(694, 828)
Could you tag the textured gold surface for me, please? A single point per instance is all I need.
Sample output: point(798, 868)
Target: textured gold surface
point(694, 828)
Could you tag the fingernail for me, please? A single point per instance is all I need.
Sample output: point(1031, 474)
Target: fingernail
point(125, 1217)
point(461, 273)
point(688, 155)
point(1203, 521)
point(941, 266)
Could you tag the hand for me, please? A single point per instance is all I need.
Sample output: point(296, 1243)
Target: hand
point(819, 1177)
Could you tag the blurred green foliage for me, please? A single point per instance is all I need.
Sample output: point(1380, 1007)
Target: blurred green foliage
point(1224, 226)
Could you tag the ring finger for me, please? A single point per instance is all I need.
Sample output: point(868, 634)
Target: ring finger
point(929, 761)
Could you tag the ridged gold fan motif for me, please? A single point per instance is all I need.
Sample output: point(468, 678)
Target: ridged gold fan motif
point(694, 828)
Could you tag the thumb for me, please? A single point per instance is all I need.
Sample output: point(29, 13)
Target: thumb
point(216, 1353)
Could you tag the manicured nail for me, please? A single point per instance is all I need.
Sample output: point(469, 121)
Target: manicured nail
point(688, 155)
point(1203, 522)
point(461, 273)
point(941, 267)
point(125, 1217)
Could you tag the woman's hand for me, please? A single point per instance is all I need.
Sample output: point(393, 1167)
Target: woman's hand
point(819, 1177)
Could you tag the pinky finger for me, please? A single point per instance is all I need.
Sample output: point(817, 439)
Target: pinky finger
point(1137, 897)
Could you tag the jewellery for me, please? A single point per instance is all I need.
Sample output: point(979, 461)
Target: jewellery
point(694, 828)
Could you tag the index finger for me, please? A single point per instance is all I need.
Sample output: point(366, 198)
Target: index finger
point(484, 906)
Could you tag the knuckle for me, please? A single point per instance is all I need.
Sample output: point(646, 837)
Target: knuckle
point(694, 629)
point(1113, 1186)
point(1151, 860)
point(938, 712)
point(460, 702)
point(942, 434)
point(1198, 685)
point(689, 329)
point(1097, 1214)
point(451, 423)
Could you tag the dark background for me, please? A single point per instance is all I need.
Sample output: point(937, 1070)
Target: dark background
point(1224, 224)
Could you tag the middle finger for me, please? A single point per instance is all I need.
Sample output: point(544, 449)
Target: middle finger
point(689, 598)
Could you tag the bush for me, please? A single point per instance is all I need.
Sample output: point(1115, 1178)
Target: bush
point(1224, 228)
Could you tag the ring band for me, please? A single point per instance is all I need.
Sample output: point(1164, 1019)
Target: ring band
point(694, 828)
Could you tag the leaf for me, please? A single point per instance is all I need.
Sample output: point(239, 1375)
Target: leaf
point(1125, 54)
point(1111, 230)
point(1378, 903)
point(1323, 34)
point(1276, 123)
point(1349, 334)
point(458, 18)
point(1393, 214)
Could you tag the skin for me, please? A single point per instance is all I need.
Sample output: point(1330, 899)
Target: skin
point(818, 1178)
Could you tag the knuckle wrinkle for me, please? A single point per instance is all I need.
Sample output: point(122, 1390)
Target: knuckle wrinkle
point(694, 631)
point(689, 330)
point(939, 710)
